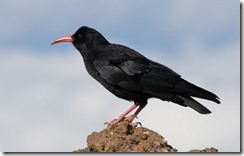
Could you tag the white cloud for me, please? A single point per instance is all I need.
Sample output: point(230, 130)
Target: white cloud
point(202, 17)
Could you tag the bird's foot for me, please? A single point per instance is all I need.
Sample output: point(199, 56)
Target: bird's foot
point(114, 122)
point(118, 120)
point(131, 118)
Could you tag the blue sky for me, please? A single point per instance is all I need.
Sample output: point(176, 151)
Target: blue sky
point(49, 103)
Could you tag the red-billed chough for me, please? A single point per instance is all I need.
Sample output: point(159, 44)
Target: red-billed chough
point(131, 76)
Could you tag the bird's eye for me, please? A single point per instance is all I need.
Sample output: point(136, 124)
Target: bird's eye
point(79, 36)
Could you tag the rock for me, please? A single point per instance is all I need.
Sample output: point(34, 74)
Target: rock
point(125, 138)
point(205, 150)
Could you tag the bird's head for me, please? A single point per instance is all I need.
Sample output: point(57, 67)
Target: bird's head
point(83, 39)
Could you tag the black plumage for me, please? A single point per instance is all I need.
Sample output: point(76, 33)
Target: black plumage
point(131, 76)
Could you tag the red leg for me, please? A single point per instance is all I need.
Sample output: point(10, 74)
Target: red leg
point(121, 117)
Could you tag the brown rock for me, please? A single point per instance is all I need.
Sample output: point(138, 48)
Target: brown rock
point(125, 138)
point(205, 150)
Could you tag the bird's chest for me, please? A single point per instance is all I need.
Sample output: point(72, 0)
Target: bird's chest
point(91, 60)
point(91, 69)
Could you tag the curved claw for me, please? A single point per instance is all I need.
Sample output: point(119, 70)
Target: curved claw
point(135, 124)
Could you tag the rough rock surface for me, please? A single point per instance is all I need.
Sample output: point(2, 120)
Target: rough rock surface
point(125, 138)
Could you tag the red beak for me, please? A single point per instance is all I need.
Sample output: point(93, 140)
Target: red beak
point(63, 39)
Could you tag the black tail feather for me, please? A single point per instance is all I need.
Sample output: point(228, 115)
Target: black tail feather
point(188, 89)
point(188, 101)
point(182, 100)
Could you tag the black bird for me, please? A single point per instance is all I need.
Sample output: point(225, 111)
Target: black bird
point(133, 77)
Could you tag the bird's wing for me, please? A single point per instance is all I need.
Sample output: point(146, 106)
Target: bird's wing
point(138, 75)
point(114, 75)
point(160, 78)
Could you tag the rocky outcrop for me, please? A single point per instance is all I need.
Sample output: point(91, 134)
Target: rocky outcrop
point(124, 137)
